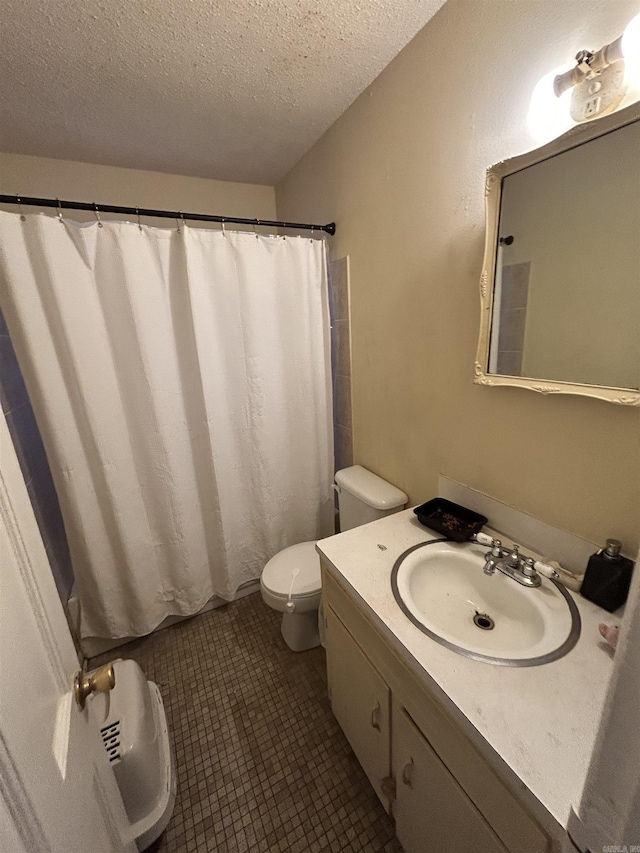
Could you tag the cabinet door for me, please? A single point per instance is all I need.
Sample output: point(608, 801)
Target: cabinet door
point(432, 812)
point(360, 700)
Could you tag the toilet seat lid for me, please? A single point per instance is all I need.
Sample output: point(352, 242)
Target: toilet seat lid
point(277, 574)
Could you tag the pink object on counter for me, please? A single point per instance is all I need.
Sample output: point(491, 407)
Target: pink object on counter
point(610, 633)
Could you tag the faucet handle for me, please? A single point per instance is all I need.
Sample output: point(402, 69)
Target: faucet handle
point(494, 544)
point(546, 570)
point(528, 568)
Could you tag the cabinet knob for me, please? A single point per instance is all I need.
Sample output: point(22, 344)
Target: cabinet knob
point(375, 717)
point(407, 773)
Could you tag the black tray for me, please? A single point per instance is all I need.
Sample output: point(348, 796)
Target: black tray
point(452, 520)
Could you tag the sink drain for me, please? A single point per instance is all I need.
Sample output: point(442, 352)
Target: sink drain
point(483, 621)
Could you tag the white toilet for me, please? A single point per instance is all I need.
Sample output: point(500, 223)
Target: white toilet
point(290, 581)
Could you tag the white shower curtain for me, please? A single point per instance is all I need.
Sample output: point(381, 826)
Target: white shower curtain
point(181, 382)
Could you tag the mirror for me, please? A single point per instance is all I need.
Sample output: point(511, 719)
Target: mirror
point(560, 287)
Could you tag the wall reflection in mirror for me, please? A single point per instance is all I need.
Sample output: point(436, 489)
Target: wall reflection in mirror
point(566, 304)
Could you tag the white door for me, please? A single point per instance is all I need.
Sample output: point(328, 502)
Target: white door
point(57, 791)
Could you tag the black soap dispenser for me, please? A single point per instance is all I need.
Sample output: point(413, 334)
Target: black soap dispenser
point(608, 577)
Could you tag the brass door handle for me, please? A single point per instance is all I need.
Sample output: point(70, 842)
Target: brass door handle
point(101, 680)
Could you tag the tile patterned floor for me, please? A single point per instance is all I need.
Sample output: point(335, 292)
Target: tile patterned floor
point(262, 763)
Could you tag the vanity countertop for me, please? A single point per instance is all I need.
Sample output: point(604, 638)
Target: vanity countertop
point(541, 720)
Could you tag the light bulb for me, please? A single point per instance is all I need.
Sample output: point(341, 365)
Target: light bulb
point(549, 115)
point(631, 52)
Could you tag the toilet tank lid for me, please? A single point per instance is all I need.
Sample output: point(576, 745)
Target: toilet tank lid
point(369, 488)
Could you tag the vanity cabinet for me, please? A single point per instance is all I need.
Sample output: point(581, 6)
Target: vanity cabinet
point(441, 791)
point(360, 700)
point(431, 810)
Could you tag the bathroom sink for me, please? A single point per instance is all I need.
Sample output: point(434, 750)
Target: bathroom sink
point(442, 589)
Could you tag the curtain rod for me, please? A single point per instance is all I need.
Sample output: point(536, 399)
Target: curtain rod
point(330, 228)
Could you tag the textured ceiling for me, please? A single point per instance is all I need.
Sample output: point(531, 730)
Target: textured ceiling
point(236, 90)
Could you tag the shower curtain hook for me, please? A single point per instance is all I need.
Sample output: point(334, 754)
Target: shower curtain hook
point(178, 231)
point(255, 229)
point(23, 218)
point(59, 211)
point(97, 215)
point(224, 233)
point(138, 215)
point(312, 230)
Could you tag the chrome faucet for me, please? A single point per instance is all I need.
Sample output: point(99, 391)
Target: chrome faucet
point(523, 570)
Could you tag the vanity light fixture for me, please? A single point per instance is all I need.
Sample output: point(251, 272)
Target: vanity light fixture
point(595, 85)
point(600, 80)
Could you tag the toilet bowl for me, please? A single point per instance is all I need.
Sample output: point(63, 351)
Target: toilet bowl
point(291, 580)
point(290, 583)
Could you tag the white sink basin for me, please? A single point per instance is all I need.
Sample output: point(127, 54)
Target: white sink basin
point(443, 590)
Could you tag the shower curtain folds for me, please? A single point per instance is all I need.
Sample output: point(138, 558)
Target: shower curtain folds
point(181, 383)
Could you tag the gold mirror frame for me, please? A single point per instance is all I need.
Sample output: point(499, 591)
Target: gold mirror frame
point(493, 191)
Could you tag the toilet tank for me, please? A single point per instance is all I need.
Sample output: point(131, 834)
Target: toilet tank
point(365, 497)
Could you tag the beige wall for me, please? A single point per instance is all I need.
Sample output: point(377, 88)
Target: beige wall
point(44, 178)
point(402, 173)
